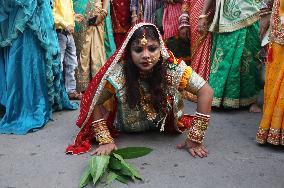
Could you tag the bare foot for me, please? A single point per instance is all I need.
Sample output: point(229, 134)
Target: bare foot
point(254, 108)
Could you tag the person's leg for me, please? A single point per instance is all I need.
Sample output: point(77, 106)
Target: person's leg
point(70, 64)
point(62, 40)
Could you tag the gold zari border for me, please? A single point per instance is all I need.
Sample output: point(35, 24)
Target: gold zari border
point(236, 25)
point(272, 136)
point(234, 103)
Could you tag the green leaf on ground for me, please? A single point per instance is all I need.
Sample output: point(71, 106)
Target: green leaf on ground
point(120, 177)
point(135, 172)
point(98, 165)
point(114, 163)
point(86, 178)
point(111, 176)
point(133, 152)
point(126, 168)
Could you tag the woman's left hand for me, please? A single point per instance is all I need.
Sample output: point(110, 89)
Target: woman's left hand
point(194, 148)
point(100, 19)
point(79, 17)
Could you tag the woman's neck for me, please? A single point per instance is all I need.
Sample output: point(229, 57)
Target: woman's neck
point(145, 74)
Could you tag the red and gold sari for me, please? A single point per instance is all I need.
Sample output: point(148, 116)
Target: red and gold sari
point(120, 15)
point(178, 77)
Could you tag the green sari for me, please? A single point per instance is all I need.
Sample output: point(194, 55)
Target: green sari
point(109, 39)
point(235, 71)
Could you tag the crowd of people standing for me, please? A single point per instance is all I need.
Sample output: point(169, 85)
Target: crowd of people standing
point(50, 52)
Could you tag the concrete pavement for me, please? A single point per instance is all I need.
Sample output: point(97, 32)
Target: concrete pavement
point(37, 160)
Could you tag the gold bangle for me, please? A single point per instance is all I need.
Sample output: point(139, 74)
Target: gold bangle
point(101, 132)
point(198, 129)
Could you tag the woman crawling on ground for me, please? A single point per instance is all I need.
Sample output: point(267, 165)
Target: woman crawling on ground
point(138, 89)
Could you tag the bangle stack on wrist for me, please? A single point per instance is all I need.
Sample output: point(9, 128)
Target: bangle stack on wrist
point(184, 20)
point(198, 127)
point(101, 132)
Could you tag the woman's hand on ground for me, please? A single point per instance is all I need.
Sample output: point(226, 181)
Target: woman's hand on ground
point(195, 149)
point(105, 149)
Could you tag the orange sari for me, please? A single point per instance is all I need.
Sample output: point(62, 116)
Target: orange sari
point(271, 128)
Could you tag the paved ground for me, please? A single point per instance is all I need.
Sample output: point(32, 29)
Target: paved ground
point(37, 160)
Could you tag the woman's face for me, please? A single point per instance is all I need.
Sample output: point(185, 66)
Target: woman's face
point(145, 54)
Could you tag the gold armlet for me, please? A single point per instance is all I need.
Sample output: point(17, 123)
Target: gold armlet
point(101, 132)
point(198, 127)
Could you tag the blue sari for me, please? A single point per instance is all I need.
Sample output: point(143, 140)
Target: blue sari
point(31, 85)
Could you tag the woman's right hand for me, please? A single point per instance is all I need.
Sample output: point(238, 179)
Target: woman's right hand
point(100, 19)
point(202, 26)
point(105, 149)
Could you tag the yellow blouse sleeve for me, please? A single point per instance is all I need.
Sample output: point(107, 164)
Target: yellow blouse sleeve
point(184, 78)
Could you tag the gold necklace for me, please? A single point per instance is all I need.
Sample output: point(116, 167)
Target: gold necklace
point(145, 101)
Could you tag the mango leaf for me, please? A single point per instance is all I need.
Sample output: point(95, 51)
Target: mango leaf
point(135, 172)
point(98, 165)
point(114, 163)
point(111, 176)
point(86, 178)
point(120, 177)
point(133, 152)
point(126, 168)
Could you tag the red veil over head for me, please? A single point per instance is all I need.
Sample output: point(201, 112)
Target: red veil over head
point(83, 139)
